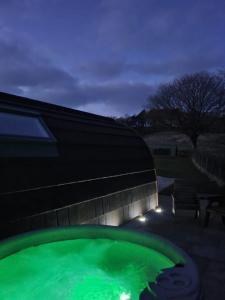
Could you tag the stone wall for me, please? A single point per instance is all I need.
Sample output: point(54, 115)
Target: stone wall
point(112, 209)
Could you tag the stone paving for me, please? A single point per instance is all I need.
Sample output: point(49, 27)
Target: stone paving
point(206, 246)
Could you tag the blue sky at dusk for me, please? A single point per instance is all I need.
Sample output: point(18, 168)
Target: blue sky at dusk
point(106, 56)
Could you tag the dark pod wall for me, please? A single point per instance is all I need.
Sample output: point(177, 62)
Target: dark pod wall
point(63, 166)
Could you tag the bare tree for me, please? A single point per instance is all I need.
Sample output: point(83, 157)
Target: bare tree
point(193, 101)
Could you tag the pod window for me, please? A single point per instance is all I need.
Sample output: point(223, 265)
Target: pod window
point(23, 133)
point(13, 124)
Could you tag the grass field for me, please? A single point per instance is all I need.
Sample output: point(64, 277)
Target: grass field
point(183, 168)
point(211, 143)
point(177, 167)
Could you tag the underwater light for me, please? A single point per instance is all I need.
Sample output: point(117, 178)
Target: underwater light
point(95, 262)
point(124, 296)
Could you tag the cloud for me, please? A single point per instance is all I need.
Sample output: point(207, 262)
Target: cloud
point(103, 69)
point(122, 97)
point(26, 72)
point(167, 68)
point(105, 55)
point(179, 65)
point(126, 97)
point(100, 108)
point(21, 65)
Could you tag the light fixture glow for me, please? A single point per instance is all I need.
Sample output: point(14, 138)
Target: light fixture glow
point(124, 296)
point(142, 219)
point(158, 209)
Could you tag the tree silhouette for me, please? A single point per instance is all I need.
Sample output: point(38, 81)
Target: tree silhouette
point(193, 101)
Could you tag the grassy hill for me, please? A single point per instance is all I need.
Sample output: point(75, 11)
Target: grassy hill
point(183, 167)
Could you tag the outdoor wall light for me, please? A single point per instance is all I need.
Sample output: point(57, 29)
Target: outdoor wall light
point(158, 209)
point(142, 219)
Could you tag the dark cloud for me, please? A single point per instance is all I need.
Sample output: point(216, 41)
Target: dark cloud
point(24, 71)
point(179, 66)
point(103, 69)
point(20, 65)
point(161, 27)
point(107, 53)
point(170, 67)
point(129, 97)
point(122, 97)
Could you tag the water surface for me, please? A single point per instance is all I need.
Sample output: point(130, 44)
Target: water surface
point(80, 269)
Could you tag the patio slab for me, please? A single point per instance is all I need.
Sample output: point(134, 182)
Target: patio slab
point(206, 246)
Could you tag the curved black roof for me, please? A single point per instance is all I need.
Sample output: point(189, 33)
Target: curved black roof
point(93, 152)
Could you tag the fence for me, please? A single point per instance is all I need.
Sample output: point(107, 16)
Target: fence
point(211, 164)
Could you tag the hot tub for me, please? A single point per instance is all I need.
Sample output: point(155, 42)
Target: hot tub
point(94, 263)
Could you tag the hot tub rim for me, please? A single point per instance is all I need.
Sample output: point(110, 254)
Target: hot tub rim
point(18, 242)
point(34, 238)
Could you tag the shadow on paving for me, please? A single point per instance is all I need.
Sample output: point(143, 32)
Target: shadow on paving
point(206, 246)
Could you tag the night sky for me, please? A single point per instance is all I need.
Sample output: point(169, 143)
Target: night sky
point(106, 56)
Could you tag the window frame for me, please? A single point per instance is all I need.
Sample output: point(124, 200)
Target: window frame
point(29, 113)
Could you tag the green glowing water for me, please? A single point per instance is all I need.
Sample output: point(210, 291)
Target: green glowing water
point(80, 269)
